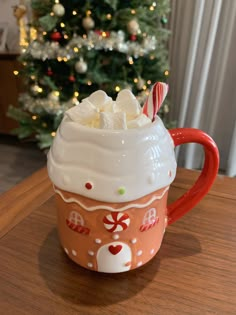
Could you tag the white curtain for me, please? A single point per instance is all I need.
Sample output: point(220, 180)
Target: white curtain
point(203, 76)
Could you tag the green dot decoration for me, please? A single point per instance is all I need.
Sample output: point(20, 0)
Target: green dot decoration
point(121, 190)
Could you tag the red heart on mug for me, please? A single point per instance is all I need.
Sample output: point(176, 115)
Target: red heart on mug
point(115, 249)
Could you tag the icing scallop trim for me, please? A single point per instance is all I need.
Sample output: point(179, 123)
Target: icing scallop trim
point(106, 207)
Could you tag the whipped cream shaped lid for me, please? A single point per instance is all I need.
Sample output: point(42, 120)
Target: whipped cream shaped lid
point(111, 165)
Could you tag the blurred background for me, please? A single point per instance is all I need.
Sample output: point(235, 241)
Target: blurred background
point(200, 70)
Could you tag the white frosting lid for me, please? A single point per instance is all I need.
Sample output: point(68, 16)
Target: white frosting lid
point(111, 165)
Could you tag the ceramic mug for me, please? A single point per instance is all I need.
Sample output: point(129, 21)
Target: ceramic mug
point(112, 188)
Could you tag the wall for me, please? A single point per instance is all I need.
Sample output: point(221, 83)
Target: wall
point(6, 15)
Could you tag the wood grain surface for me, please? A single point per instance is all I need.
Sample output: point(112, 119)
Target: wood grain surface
point(193, 273)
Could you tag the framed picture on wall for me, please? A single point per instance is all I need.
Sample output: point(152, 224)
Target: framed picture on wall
point(3, 35)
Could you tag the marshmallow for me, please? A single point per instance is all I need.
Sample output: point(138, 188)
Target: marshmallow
point(127, 102)
point(84, 113)
point(138, 122)
point(113, 120)
point(99, 99)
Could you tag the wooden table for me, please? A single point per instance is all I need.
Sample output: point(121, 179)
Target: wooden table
point(193, 273)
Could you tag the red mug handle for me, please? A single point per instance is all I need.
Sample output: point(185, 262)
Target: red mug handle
point(206, 178)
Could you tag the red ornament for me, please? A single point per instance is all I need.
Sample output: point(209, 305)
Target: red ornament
point(71, 78)
point(56, 36)
point(102, 33)
point(49, 72)
point(88, 185)
point(133, 37)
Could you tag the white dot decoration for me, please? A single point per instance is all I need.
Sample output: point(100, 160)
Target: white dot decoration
point(98, 241)
point(66, 250)
point(115, 236)
point(74, 252)
point(91, 253)
point(90, 265)
point(139, 252)
point(139, 263)
point(134, 240)
point(152, 251)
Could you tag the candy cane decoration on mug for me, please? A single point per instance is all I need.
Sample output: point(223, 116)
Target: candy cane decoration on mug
point(155, 99)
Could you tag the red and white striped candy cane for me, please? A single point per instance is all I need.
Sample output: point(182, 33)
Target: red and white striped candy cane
point(155, 99)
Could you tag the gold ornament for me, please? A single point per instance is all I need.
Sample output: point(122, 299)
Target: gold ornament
point(133, 27)
point(88, 23)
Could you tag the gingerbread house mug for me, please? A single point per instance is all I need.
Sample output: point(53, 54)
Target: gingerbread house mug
point(112, 187)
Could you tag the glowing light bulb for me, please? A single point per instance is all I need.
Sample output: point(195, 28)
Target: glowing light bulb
point(15, 72)
point(133, 11)
point(135, 80)
point(76, 49)
point(131, 61)
point(56, 93)
point(76, 94)
point(62, 24)
point(89, 82)
point(34, 117)
point(117, 88)
point(53, 134)
point(109, 16)
point(166, 73)
point(74, 12)
point(52, 14)
point(39, 90)
point(149, 82)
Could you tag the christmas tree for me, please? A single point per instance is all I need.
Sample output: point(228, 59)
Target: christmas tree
point(83, 46)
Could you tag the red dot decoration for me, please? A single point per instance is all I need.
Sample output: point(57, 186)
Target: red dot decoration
point(89, 185)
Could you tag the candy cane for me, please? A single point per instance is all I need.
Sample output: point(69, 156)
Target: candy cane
point(77, 228)
point(155, 99)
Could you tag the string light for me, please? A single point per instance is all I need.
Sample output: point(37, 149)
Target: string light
point(34, 117)
point(74, 12)
point(62, 24)
point(66, 36)
point(56, 1)
point(144, 87)
point(15, 72)
point(104, 34)
point(84, 36)
point(131, 61)
point(135, 80)
point(109, 16)
point(151, 8)
point(133, 11)
point(152, 57)
point(59, 59)
point(166, 73)
point(76, 94)
point(53, 134)
point(76, 49)
point(89, 82)
point(149, 82)
point(65, 59)
point(39, 90)
point(56, 93)
point(32, 77)
point(117, 88)
point(154, 4)
point(88, 13)
point(44, 33)
point(52, 14)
